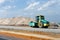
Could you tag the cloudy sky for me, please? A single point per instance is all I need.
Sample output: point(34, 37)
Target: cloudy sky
point(30, 8)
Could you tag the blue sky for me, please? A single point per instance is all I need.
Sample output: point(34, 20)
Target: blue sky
point(30, 8)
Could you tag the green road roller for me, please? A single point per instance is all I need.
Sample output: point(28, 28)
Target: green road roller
point(39, 23)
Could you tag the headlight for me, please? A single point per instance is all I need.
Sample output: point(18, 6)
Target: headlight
point(45, 24)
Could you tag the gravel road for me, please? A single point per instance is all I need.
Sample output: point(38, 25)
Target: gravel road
point(31, 29)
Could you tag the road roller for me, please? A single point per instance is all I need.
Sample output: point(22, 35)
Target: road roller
point(40, 22)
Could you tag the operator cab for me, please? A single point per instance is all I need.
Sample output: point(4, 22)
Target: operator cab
point(39, 18)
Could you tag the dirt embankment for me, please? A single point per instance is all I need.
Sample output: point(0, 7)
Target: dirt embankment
point(15, 21)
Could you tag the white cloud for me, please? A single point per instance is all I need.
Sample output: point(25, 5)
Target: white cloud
point(37, 6)
point(49, 3)
point(2, 1)
point(32, 5)
point(5, 9)
point(14, 6)
point(11, 0)
point(8, 7)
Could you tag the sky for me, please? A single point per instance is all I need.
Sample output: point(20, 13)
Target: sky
point(30, 8)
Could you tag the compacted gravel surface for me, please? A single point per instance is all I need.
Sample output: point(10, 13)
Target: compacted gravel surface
point(31, 29)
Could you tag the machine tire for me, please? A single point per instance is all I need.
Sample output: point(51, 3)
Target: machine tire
point(45, 27)
point(42, 25)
